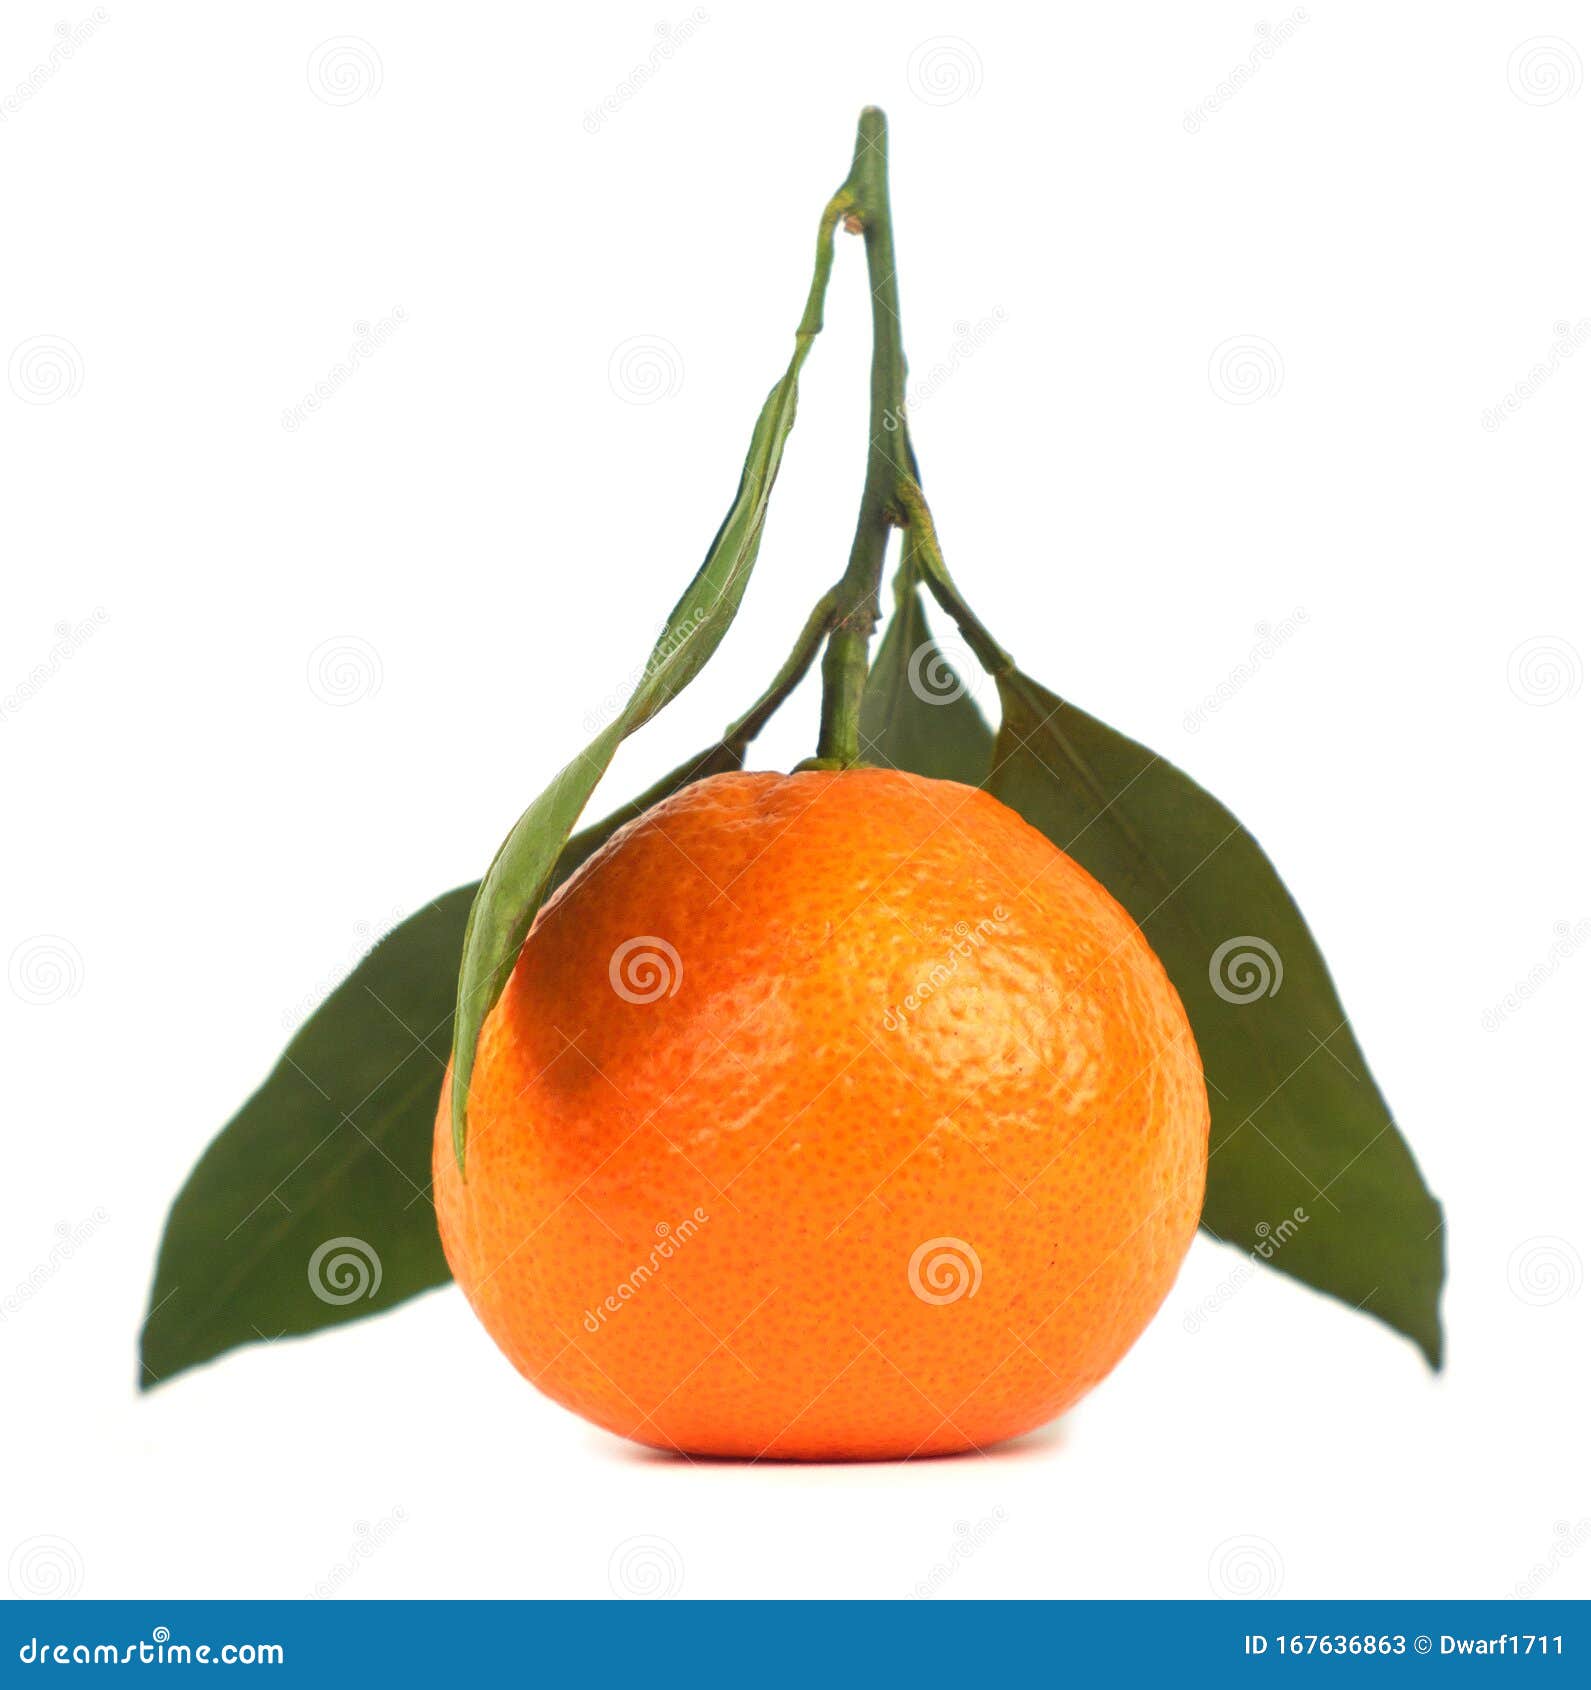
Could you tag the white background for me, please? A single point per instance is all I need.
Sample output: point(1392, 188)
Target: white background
point(210, 820)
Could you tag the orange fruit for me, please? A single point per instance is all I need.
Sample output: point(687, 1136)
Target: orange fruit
point(826, 1116)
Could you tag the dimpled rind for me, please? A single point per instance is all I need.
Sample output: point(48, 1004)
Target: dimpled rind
point(826, 1116)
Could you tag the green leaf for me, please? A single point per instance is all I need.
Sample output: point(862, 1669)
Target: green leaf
point(324, 1175)
point(1298, 1125)
point(319, 1187)
point(916, 713)
point(516, 882)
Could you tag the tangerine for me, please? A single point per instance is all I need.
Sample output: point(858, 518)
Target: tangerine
point(836, 1115)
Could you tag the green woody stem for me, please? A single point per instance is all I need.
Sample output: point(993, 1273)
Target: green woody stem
point(889, 459)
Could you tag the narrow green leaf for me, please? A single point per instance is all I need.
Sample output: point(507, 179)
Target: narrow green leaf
point(916, 712)
point(516, 882)
point(323, 1178)
point(1298, 1126)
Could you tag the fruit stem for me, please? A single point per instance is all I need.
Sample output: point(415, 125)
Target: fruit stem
point(889, 457)
point(923, 560)
point(740, 733)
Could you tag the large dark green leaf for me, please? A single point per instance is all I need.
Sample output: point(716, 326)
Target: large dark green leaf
point(1307, 1169)
point(1298, 1125)
point(517, 879)
point(313, 1204)
point(916, 712)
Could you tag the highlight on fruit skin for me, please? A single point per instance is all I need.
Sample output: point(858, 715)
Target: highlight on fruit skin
point(836, 1115)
